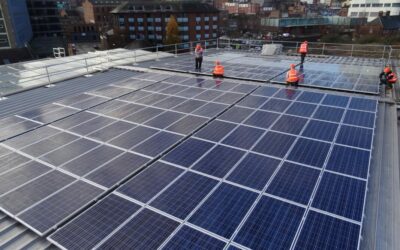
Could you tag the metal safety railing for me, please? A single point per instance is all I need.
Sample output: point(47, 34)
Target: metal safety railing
point(22, 76)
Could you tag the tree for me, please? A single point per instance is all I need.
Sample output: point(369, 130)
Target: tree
point(172, 31)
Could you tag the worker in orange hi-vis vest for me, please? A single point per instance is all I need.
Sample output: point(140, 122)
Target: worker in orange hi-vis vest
point(388, 78)
point(218, 69)
point(303, 51)
point(292, 76)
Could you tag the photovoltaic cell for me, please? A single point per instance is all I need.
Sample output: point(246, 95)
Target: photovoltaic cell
point(254, 171)
point(262, 119)
point(277, 105)
point(188, 152)
point(309, 152)
point(301, 109)
point(355, 136)
point(31, 137)
point(89, 228)
point(50, 212)
point(341, 195)
point(265, 91)
point(164, 120)
point(224, 210)
point(275, 144)
point(157, 144)
point(325, 232)
point(253, 101)
point(210, 109)
point(92, 125)
point(336, 100)
point(91, 160)
point(294, 182)
point(143, 115)
point(243, 137)
point(219, 161)
point(187, 124)
point(169, 102)
point(133, 137)
point(329, 114)
point(189, 106)
point(117, 170)
point(215, 131)
point(188, 238)
point(349, 161)
point(271, 225)
point(359, 118)
point(27, 195)
point(311, 97)
point(236, 114)
point(320, 130)
point(363, 104)
point(290, 124)
point(244, 88)
point(11, 161)
point(288, 94)
point(111, 131)
point(149, 182)
point(21, 175)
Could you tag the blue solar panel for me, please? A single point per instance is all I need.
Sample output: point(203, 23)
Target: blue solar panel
point(187, 124)
point(349, 161)
point(219, 161)
point(143, 115)
point(117, 170)
point(290, 124)
point(363, 104)
point(215, 131)
point(92, 125)
point(89, 228)
point(265, 91)
point(210, 109)
point(262, 119)
point(111, 131)
point(224, 210)
point(324, 232)
point(311, 97)
point(359, 118)
point(189, 106)
point(309, 152)
point(254, 171)
point(184, 195)
point(151, 181)
point(294, 182)
point(157, 144)
point(209, 95)
point(164, 120)
point(11, 161)
point(301, 109)
point(188, 152)
point(91, 160)
point(341, 195)
point(236, 114)
point(46, 145)
point(275, 144)
point(188, 238)
point(252, 101)
point(336, 100)
point(244, 88)
point(329, 114)
point(277, 105)
point(133, 137)
point(271, 225)
point(287, 93)
point(355, 136)
point(50, 212)
point(147, 230)
point(320, 130)
point(169, 102)
point(228, 98)
point(243, 137)
point(74, 120)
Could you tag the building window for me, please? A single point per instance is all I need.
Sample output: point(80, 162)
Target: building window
point(151, 28)
point(150, 19)
point(131, 28)
point(159, 37)
point(198, 36)
point(368, 5)
point(363, 14)
point(373, 14)
point(198, 19)
point(140, 28)
point(215, 18)
point(355, 5)
point(183, 28)
point(167, 19)
point(131, 19)
point(354, 14)
point(132, 37)
point(377, 5)
point(198, 27)
point(362, 5)
point(395, 4)
point(121, 20)
point(206, 18)
point(151, 37)
point(140, 20)
point(206, 36)
point(158, 28)
point(214, 35)
point(158, 20)
point(183, 19)
point(215, 27)
point(206, 27)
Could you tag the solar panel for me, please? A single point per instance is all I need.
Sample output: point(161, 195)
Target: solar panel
point(243, 137)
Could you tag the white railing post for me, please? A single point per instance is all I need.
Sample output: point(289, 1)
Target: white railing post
point(135, 57)
point(176, 50)
point(157, 53)
point(297, 47)
point(352, 48)
point(384, 50)
point(217, 43)
point(205, 45)
point(229, 43)
point(87, 67)
point(48, 76)
point(191, 48)
point(323, 48)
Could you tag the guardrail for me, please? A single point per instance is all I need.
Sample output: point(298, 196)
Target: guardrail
point(18, 77)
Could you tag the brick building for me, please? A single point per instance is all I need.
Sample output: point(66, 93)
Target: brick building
point(242, 8)
point(148, 20)
point(98, 12)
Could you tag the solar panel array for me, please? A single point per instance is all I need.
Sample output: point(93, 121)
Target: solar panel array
point(354, 78)
point(232, 164)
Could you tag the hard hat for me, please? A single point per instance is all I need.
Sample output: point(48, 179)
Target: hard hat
point(305, 41)
point(387, 70)
point(292, 65)
point(198, 46)
point(217, 62)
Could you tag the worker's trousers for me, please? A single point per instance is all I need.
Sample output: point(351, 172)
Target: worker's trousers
point(199, 60)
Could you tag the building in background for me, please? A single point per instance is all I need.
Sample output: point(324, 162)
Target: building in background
point(15, 27)
point(147, 21)
point(248, 8)
point(45, 17)
point(373, 9)
point(97, 12)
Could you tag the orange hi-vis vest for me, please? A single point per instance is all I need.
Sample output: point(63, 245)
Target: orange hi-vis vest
point(303, 48)
point(292, 76)
point(219, 70)
point(391, 78)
